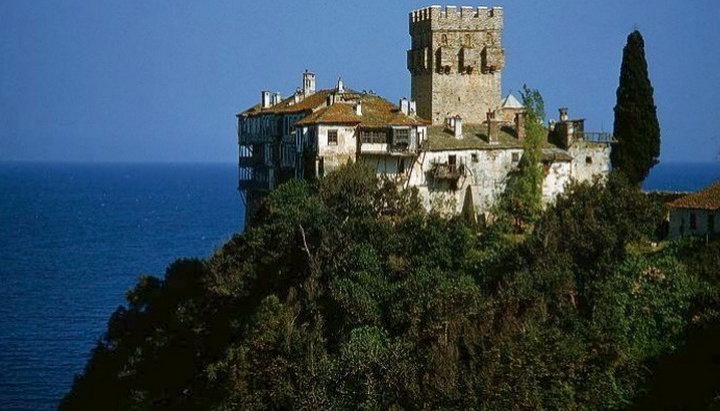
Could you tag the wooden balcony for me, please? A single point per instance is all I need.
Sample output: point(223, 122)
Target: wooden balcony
point(447, 171)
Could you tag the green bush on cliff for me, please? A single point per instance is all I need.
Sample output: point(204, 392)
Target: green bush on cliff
point(345, 294)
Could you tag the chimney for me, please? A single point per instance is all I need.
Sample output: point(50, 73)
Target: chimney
point(450, 122)
point(265, 99)
point(563, 114)
point(458, 129)
point(276, 98)
point(405, 106)
point(520, 125)
point(493, 127)
point(308, 83)
point(340, 86)
point(413, 108)
point(358, 108)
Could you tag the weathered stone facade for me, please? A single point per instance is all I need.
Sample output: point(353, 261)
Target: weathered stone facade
point(456, 61)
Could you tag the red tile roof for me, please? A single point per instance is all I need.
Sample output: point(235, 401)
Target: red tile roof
point(706, 199)
point(376, 111)
point(338, 113)
point(288, 105)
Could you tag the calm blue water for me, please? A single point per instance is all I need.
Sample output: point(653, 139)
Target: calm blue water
point(682, 176)
point(74, 239)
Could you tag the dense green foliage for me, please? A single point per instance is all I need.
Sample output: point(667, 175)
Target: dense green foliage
point(345, 294)
point(522, 199)
point(636, 124)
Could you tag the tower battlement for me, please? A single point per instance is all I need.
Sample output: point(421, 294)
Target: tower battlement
point(454, 18)
point(463, 12)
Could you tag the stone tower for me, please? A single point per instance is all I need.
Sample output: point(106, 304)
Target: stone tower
point(456, 61)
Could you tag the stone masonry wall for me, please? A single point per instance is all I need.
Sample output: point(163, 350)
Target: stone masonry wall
point(456, 60)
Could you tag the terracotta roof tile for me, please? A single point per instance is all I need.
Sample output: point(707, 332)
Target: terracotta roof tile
point(376, 112)
point(338, 113)
point(475, 137)
point(288, 105)
point(706, 199)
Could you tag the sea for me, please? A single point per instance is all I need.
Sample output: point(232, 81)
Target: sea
point(74, 238)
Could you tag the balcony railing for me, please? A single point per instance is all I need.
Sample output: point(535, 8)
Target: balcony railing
point(597, 137)
point(445, 171)
point(253, 138)
point(251, 161)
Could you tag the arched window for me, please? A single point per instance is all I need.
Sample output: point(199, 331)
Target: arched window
point(444, 40)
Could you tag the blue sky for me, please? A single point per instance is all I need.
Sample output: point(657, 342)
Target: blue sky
point(162, 80)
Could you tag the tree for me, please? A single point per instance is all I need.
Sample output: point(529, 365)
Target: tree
point(522, 199)
point(636, 124)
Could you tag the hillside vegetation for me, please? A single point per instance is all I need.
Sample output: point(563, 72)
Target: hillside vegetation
point(346, 294)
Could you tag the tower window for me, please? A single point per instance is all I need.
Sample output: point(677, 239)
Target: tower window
point(332, 137)
point(588, 160)
point(468, 41)
point(444, 40)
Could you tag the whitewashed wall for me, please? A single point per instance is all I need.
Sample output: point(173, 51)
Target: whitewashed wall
point(335, 155)
point(599, 164)
point(680, 222)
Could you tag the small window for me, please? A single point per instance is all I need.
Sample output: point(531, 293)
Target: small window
point(373, 137)
point(468, 42)
point(332, 137)
point(588, 160)
point(402, 136)
point(444, 39)
point(515, 157)
point(401, 166)
point(474, 157)
point(693, 221)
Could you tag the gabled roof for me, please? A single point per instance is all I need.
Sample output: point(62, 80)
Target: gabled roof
point(376, 112)
point(511, 102)
point(338, 113)
point(288, 105)
point(706, 199)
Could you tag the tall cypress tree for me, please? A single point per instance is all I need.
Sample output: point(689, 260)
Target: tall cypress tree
point(636, 124)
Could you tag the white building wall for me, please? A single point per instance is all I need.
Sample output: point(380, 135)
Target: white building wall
point(557, 176)
point(589, 160)
point(680, 219)
point(486, 171)
point(335, 155)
